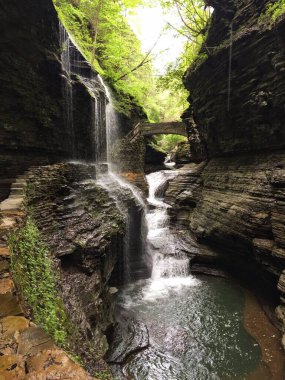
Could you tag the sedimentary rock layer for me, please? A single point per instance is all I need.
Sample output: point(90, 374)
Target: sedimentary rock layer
point(84, 232)
point(237, 101)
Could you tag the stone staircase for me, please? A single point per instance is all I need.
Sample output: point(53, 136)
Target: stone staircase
point(26, 351)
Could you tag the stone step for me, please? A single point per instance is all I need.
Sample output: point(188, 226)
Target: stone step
point(16, 193)
point(12, 204)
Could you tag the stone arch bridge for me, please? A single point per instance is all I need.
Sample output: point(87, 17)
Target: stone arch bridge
point(150, 129)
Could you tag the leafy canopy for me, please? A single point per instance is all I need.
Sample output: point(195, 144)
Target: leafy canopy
point(105, 38)
point(194, 18)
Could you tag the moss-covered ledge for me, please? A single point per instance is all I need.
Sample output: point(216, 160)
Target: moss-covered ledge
point(64, 246)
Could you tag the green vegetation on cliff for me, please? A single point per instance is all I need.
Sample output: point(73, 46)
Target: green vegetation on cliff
point(194, 24)
point(101, 31)
point(167, 143)
point(275, 9)
point(34, 275)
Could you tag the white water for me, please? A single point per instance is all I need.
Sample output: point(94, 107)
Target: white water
point(67, 85)
point(230, 67)
point(104, 136)
point(170, 265)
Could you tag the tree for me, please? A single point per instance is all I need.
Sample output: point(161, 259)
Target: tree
point(194, 17)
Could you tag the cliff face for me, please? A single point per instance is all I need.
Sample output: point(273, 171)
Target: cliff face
point(235, 202)
point(84, 232)
point(240, 109)
point(33, 125)
point(31, 117)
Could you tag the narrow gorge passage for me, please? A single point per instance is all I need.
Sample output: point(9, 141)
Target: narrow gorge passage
point(142, 190)
point(170, 325)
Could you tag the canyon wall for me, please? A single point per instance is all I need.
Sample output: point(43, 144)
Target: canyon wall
point(83, 230)
point(33, 127)
point(235, 201)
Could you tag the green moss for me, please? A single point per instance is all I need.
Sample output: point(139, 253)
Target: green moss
point(34, 275)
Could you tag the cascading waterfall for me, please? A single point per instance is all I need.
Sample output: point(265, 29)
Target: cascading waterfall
point(129, 201)
point(104, 135)
point(168, 260)
point(67, 84)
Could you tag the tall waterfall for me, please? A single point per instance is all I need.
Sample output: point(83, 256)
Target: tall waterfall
point(67, 84)
point(105, 132)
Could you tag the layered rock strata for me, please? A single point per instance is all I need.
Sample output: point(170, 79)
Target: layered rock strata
point(84, 232)
point(235, 122)
point(26, 351)
point(237, 100)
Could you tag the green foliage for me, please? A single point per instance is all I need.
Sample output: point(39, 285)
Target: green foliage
point(195, 18)
point(105, 38)
point(33, 273)
point(275, 9)
point(101, 31)
point(167, 143)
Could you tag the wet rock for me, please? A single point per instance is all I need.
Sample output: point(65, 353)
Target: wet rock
point(4, 268)
point(184, 193)
point(9, 305)
point(6, 285)
point(182, 154)
point(248, 118)
point(154, 156)
point(4, 252)
point(130, 336)
point(10, 325)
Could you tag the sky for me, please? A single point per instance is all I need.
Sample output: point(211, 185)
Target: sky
point(148, 23)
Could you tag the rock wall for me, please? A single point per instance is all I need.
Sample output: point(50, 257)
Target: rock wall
point(234, 202)
point(250, 116)
point(34, 125)
point(84, 232)
point(32, 118)
point(26, 351)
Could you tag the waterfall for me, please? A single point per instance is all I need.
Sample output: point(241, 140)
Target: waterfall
point(130, 202)
point(168, 260)
point(67, 85)
point(104, 134)
point(230, 67)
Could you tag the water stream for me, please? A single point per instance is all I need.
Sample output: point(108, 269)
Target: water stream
point(175, 326)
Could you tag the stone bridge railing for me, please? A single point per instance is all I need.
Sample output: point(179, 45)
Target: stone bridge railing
point(150, 129)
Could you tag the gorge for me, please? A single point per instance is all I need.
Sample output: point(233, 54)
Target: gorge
point(113, 264)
